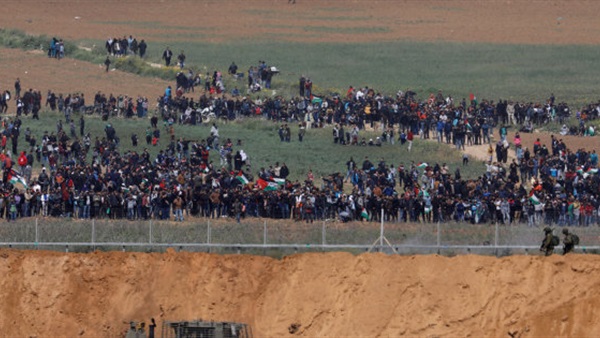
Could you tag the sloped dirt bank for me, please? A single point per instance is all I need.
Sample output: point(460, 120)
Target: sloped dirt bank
point(46, 294)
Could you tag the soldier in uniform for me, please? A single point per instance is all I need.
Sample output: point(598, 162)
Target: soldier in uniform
point(568, 241)
point(131, 333)
point(547, 244)
point(136, 331)
point(141, 332)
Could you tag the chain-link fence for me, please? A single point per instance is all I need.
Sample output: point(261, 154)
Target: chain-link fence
point(281, 237)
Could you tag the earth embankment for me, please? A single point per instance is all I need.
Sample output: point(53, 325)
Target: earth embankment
point(50, 294)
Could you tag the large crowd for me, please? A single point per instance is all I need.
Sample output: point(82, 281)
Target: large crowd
point(87, 176)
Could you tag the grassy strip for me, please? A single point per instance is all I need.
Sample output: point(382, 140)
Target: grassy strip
point(511, 72)
point(13, 38)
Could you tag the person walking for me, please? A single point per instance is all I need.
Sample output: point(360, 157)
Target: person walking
point(409, 137)
point(167, 55)
point(181, 60)
point(142, 48)
point(107, 63)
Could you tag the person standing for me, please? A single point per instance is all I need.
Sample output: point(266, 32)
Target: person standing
point(81, 126)
point(548, 243)
point(237, 209)
point(142, 48)
point(178, 208)
point(409, 137)
point(308, 89)
point(569, 241)
point(301, 131)
point(181, 60)
point(148, 136)
point(18, 88)
point(131, 333)
point(152, 326)
point(167, 54)
point(107, 63)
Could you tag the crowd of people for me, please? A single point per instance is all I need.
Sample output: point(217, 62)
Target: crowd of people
point(56, 49)
point(86, 176)
point(119, 47)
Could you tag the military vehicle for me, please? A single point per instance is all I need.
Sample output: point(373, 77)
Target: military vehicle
point(205, 329)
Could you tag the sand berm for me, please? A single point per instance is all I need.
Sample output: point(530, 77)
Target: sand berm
point(52, 294)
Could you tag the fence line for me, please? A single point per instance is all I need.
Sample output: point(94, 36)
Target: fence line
point(440, 238)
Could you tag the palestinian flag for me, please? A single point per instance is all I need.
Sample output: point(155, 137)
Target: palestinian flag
point(266, 186)
point(145, 185)
point(271, 187)
point(473, 99)
point(242, 179)
point(14, 178)
point(279, 181)
point(534, 199)
point(586, 173)
point(422, 165)
point(364, 214)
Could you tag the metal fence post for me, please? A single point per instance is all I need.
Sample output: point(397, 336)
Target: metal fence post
point(439, 237)
point(93, 234)
point(208, 233)
point(265, 233)
point(323, 234)
point(496, 239)
point(381, 233)
point(264, 237)
point(36, 233)
point(150, 233)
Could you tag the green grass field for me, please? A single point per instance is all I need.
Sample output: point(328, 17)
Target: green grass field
point(517, 72)
point(492, 71)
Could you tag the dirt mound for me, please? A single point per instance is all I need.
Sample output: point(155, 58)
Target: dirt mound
point(46, 294)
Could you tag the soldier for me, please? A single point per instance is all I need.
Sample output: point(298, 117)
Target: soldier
point(151, 328)
point(131, 333)
point(141, 332)
point(548, 243)
point(568, 241)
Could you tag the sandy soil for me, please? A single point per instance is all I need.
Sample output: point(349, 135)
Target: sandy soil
point(38, 72)
point(48, 294)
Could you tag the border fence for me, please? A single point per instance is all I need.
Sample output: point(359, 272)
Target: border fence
point(282, 237)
